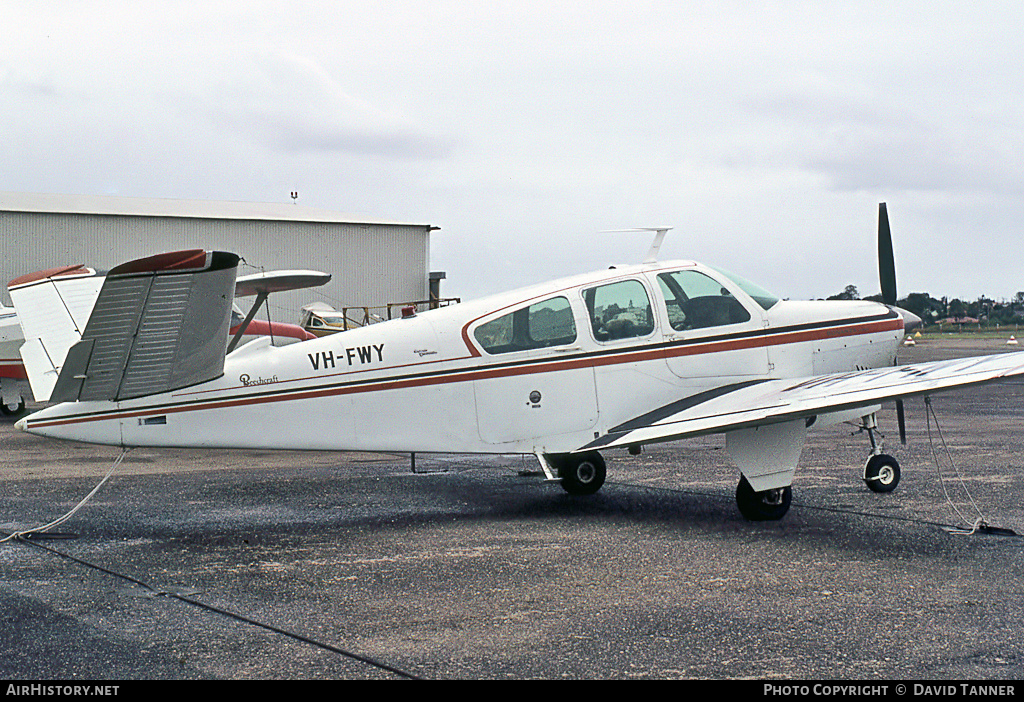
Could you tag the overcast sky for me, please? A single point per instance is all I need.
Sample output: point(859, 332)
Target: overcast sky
point(764, 133)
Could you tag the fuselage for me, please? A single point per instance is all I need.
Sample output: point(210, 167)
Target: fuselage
point(544, 369)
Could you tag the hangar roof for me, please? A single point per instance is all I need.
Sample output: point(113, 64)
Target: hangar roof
point(156, 207)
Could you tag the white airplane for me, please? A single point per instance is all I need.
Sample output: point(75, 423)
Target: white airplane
point(618, 358)
point(12, 370)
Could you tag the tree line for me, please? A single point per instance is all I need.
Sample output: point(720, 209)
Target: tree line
point(931, 310)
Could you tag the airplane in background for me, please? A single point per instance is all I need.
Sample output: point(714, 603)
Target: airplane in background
point(564, 370)
point(12, 370)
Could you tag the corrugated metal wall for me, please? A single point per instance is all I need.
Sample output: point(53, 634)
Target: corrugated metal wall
point(372, 264)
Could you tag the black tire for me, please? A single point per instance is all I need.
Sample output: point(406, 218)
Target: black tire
point(12, 411)
point(768, 505)
point(882, 473)
point(582, 473)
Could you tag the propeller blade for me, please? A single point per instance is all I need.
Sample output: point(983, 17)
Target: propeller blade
point(887, 279)
point(901, 421)
point(886, 260)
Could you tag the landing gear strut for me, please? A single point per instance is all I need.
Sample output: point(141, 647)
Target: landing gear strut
point(768, 505)
point(881, 471)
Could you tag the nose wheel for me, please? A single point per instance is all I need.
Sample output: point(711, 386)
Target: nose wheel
point(882, 472)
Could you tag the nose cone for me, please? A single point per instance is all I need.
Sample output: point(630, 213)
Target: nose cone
point(20, 424)
point(910, 320)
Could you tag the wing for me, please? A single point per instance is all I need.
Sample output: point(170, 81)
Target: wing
point(158, 324)
point(261, 285)
point(761, 402)
point(279, 281)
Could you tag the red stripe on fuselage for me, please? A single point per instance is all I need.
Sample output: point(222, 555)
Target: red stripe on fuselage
point(657, 351)
point(13, 369)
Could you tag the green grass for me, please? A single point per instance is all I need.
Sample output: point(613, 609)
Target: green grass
point(984, 333)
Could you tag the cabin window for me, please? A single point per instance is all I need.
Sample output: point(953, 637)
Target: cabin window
point(547, 323)
point(696, 301)
point(619, 310)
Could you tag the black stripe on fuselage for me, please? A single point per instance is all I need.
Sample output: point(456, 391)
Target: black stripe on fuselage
point(655, 416)
point(471, 373)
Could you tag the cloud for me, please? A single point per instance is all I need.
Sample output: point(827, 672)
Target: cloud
point(292, 103)
point(861, 141)
point(764, 132)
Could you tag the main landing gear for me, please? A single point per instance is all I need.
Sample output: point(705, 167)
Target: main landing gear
point(584, 474)
point(12, 409)
point(767, 505)
point(578, 473)
point(12, 402)
point(881, 471)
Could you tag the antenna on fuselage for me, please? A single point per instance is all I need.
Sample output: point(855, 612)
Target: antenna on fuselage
point(659, 236)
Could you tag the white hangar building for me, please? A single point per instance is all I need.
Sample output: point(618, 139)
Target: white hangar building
point(373, 263)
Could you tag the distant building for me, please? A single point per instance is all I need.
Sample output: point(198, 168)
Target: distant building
point(373, 262)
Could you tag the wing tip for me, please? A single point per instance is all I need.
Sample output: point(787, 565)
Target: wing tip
point(187, 261)
point(59, 272)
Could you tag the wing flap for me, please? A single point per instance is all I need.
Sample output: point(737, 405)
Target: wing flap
point(778, 400)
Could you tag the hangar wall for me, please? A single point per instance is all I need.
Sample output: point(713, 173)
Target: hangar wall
point(372, 263)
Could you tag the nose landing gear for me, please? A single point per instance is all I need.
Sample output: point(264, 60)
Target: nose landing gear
point(881, 471)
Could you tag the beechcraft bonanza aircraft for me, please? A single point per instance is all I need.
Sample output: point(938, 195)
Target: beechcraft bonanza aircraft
point(618, 358)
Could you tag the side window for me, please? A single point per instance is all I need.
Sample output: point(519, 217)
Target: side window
point(695, 301)
point(619, 310)
point(547, 323)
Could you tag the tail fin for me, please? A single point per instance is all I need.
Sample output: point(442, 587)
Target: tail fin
point(158, 323)
point(53, 307)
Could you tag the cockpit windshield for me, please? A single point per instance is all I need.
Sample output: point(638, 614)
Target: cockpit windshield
point(761, 296)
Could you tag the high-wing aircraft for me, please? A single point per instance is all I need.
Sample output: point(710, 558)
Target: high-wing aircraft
point(564, 370)
point(12, 370)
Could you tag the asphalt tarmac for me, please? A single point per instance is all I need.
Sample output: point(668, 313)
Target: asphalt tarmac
point(259, 565)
